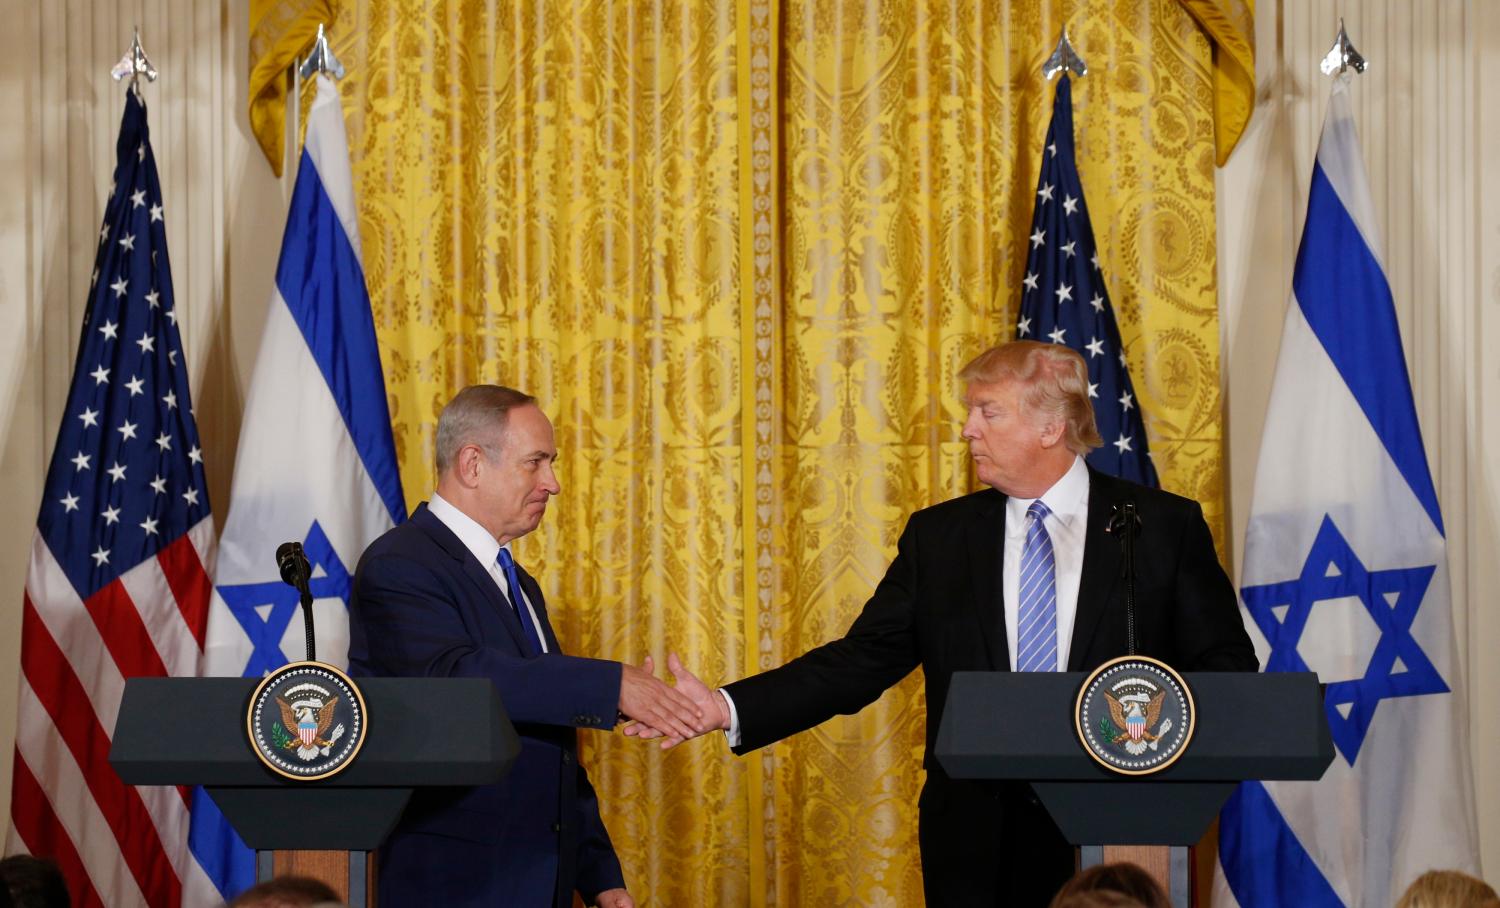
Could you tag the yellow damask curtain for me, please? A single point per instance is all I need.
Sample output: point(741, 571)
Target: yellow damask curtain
point(739, 248)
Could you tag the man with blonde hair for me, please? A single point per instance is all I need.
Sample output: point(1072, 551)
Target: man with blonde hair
point(1021, 576)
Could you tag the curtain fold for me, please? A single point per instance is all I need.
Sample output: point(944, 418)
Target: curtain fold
point(739, 249)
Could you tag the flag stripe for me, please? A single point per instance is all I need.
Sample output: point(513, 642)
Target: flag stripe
point(1346, 300)
point(191, 589)
point(147, 591)
point(1263, 859)
point(124, 633)
point(41, 832)
point(321, 279)
point(58, 690)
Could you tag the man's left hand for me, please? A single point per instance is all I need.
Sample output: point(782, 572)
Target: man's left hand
point(615, 898)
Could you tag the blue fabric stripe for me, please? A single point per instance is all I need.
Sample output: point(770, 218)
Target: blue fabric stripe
point(323, 284)
point(1264, 863)
point(228, 861)
point(1346, 300)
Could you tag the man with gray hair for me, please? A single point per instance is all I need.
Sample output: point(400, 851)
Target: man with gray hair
point(1021, 576)
point(442, 596)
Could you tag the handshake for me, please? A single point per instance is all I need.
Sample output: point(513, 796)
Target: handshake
point(673, 714)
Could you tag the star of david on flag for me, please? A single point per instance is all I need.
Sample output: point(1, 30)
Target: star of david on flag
point(316, 460)
point(1346, 574)
point(1064, 300)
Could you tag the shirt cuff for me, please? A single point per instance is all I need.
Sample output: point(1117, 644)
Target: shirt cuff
point(732, 733)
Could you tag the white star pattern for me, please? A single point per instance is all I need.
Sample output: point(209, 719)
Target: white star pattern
point(69, 503)
point(103, 234)
point(149, 525)
point(90, 417)
point(111, 515)
point(1064, 293)
point(138, 199)
point(109, 330)
point(101, 556)
point(80, 462)
point(159, 485)
point(1123, 443)
point(170, 399)
point(1023, 327)
point(127, 429)
point(128, 241)
point(116, 472)
point(147, 343)
point(1057, 334)
point(1039, 238)
point(195, 455)
point(1052, 148)
point(1070, 204)
point(1126, 400)
point(153, 299)
point(1095, 348)
point(1068, 248)
point(1093, 390)
point(1097, 302)
point(1030, 281)
point(1045, 193)
point(135, 385)
point(190, 496)
point(164, 441)
point(156, 213)
point(100, 375)
point(119, 287)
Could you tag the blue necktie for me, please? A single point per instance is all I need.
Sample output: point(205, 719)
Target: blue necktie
point(1036, 624)
point(518, 602)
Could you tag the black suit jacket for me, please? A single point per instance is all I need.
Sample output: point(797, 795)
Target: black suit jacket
point(940, 606)
point(423, 606)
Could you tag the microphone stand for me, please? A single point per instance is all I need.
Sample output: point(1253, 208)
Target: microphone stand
point(307, 617)
point(1126, 523)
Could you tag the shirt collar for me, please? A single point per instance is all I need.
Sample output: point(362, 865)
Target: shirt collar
point(474, 537)
point(1067, 500)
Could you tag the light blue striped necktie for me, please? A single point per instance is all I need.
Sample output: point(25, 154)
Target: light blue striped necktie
point(1036, 624)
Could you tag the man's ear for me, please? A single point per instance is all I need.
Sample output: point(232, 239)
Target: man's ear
point(1052, 431)
point(468, 465)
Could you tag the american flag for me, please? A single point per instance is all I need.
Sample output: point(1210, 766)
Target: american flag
point(116, 587)
point(1064, 300)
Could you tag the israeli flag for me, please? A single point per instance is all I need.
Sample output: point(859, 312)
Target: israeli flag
point(316, 461)
point(1346, 574)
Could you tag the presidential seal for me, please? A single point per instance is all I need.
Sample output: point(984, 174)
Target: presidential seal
point(306, 721)
point(1134, 715)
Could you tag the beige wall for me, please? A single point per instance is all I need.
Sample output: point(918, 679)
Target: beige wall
point(224, 215)
point(1428, 114)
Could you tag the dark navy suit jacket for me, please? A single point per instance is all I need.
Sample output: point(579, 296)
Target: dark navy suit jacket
point(423, 606)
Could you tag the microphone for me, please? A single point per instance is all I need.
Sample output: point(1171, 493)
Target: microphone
point(290, 559)
point(295, 571)
point(1125, 522)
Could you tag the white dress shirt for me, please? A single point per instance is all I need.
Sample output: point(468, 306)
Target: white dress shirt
point(1068, 500)
point(479, 541)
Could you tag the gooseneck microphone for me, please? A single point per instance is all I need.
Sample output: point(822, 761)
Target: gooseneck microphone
point(1125, 523)
point(296, 572)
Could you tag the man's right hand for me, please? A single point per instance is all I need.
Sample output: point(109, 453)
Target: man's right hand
point(649, 701)
point(712, 708)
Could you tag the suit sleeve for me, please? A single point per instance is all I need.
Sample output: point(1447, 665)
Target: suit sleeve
point(403, 624)
point(598, 867)
point(1207, 629)
point(842, 676)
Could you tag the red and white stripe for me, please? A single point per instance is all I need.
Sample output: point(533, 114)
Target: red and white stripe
point(117, 845)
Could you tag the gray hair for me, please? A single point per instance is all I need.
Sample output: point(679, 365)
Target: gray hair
point(476, 416)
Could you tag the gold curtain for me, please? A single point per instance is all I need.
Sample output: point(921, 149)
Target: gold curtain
point(739, 248)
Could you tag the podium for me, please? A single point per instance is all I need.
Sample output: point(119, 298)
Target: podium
point(422, 732)
point(1020, 726)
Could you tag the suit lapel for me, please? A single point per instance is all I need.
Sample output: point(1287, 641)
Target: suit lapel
point(1101, 569)
point(478, 576)
point(986, 538)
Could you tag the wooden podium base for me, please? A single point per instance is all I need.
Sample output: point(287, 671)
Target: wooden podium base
point(1168, 865)
point(351, 874)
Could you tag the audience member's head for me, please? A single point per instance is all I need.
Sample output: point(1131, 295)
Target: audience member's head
point(32, 882)
point(1099, 898)
point(1127, 880)
point(1448, 889)
point(286, 892)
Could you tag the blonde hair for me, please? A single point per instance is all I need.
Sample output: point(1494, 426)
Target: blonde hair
point(1054, 383)
point(1448, 889)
